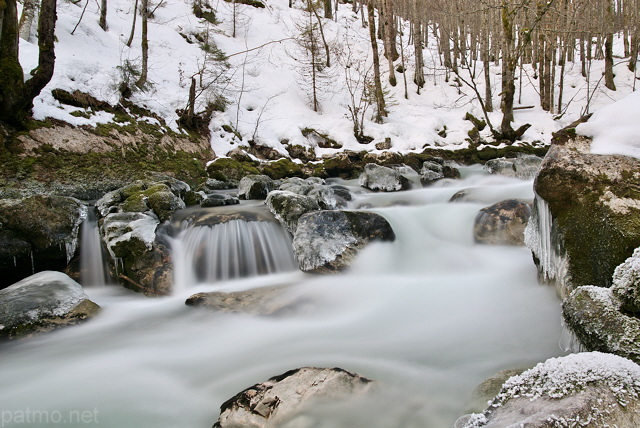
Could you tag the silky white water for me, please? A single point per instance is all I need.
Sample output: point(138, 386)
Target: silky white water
point(428, 317)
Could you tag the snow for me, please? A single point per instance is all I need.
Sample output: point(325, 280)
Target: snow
point(268, 101)
point(628, 273)
point(615, 129)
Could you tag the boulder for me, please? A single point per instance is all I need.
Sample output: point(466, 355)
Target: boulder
point(430, 172)
point(264, 301)
point(255, 187)
point(626, 284)
point(43, 302)
point(288, 207)
point(138, 259)
point(327, 241)
point(593, 314)
point(588, 389)
point(218, 200)
point(586, 218)
point(376, 177)
point(37, 233)
point(502, 223)
point(314, 187)
point(272, 403)
point(524, 166)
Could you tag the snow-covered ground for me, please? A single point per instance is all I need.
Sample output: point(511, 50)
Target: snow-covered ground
point(268, 100)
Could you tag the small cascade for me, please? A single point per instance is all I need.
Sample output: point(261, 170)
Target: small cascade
point(235, 249)
point(93, 271)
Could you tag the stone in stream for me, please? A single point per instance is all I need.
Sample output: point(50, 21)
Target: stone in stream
point(376, 177)
point(327, 241)
point(279, 400)
point(288, 207)
point(524, 166)
point(255, 187)
point(589, 389)
point(502, 223)
point(43, 302)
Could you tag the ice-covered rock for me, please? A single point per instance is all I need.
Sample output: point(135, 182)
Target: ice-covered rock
point(593, 314)
point(282, 398)
point(218, 200)
point(288, 207)
point(626, 283)
point(327, 241)
point(142, 195)
point(502, 223)
point(38, 233)
point(255, 187)
point(376, 177)
point(137, 259)
point(431, 171)
point(593, 209)
point(588, 389)
point(524, 166)
point(43, 302)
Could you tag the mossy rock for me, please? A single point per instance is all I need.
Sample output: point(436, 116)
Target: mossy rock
point(231, 170)
point(283, 168)
point(135, 204)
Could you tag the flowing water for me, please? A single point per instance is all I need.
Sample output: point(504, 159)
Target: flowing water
point(93, 270)
point(428, 316)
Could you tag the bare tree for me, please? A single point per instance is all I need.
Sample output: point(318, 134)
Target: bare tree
point(103, 15)
point(144, 69)
point(381, 108)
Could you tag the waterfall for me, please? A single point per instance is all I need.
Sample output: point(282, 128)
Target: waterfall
point(230, 250)
point(93, 270)
point(545, 243)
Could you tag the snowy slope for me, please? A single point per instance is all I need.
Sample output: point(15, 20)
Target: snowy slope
point(268, 99)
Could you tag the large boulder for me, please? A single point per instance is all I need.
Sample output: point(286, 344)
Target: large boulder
point(43, 302)
point(376, 177)
point(327, 241)
point(502, 223)
point(594, 315)
point(138, 259)
point(37, 233)
point(586, 219)
point(524, 166)
point(588, 389)
point(279, 400)
point(255, 187)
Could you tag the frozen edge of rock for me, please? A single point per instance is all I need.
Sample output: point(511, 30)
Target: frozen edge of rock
point(567, 390)
point(270, 404)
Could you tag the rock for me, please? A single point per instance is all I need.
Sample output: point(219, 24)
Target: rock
point(272, 403)
point(211, 184)
point(327, 241)
point(490, 387)
point(502, 223)
point(305, 154)
point(138, 260)
point(524, 166)
point(342, 194)
point(382, 178)
point(626, 284)
point(430, 172)
point(586, 218)
point(38, 233)
point(594, 316)
point(288, 207)
point(255, 187)
point(588, 389)
point(384, 145)
point(229, 170)
point(259, 301)
point(142, 196)
point(43, 302)
point(193, 198)
point(218, 200)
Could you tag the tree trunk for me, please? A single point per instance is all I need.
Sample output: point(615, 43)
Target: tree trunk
point(509, 64)
point(328, 10)
point(16, 96)
point(26, 19)
point(103, 15)
point(144, 68)
point(635, 44)
point(608, 63)
point(381, 108)
point(133, 24)
point(389, 39)
point(418, 77)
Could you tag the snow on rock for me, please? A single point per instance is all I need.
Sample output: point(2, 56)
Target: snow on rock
point(586, 389)
point(615, 128)
point(626, 283)
point(42, 302)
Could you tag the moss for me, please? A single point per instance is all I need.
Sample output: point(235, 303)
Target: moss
point(227, 169)
point(283, 168)
point(135, 203)
point(81, 113)
point(254, 3)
